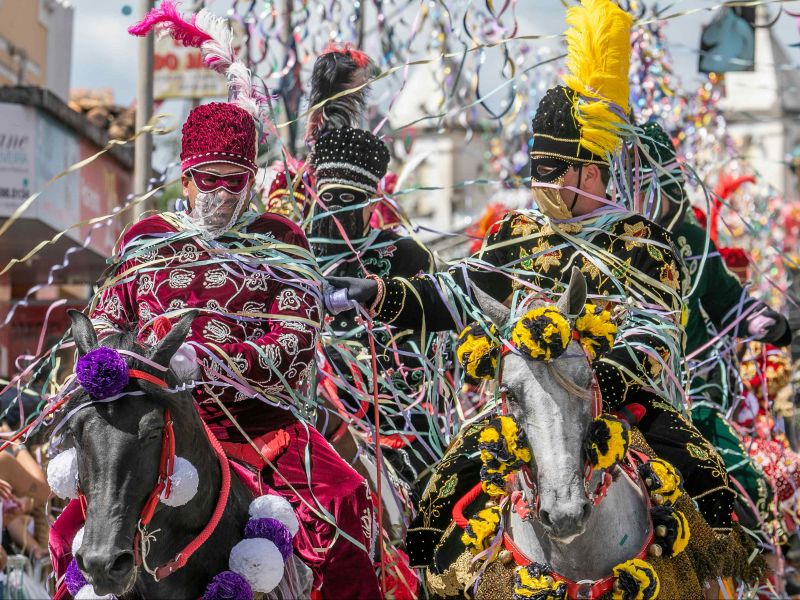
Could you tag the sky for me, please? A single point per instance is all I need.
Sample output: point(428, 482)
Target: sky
point(104, 55)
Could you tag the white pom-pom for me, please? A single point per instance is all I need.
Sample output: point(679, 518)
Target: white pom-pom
point(87, 593)
point(62, 474)
point(260, 562)
point(185, 480)
point(77, 541)
point(271, 506)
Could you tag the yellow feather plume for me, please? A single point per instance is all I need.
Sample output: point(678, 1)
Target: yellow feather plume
point(598, 60)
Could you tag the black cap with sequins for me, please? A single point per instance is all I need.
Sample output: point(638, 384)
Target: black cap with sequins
point(349, 157)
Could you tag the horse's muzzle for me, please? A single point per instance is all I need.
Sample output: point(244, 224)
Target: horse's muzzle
point(565, 521)
point(108, 574)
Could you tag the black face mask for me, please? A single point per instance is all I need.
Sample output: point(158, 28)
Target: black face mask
point(348, 208)
point(552, 167)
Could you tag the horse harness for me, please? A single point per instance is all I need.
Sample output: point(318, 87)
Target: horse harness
point(141, 541)
point(586, 589)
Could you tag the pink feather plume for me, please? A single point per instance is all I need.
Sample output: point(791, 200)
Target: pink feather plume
point(167, 18)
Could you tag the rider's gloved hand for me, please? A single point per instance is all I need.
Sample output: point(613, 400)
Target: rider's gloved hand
point(184, 364)
point(362, 291)
point(768, 326)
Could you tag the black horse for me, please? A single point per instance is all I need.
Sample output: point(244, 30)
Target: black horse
point(119, 449)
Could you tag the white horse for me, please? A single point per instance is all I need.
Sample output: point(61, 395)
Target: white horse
point(552, 403)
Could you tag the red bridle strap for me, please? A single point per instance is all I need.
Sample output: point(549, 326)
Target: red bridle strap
point(182, 557)
point(166, 463)
point(135, 373)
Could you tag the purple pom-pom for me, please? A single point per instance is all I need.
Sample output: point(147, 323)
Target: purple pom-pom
point(273, 530)
point(228, 586)
point(73, 578)
point(102, 372)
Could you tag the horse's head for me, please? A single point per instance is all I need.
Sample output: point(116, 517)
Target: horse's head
point(118, 446)
point(552, 403)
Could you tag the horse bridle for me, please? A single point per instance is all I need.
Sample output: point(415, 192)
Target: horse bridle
point(597, 407)
point(163, 486)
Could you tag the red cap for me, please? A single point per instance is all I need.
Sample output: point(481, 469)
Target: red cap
point(736, 260)
point(219, 132)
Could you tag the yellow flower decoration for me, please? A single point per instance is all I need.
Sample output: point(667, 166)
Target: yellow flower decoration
point(477, 353)
point(481, 529)
point(534, 582)
point(661, 478)
point(542, 333)
point(596, 330)
point(636, 580)
point(504, 449)
point(607, 441)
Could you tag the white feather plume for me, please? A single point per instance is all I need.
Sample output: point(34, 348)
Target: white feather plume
point(218, 53)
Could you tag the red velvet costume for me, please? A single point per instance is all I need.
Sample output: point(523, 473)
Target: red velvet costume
point(255, 337)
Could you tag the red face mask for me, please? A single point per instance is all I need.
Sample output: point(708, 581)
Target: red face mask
point(233, 183)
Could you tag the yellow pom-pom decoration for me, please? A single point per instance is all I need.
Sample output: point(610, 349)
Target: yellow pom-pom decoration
point(671, 530)
point(635, 580)
point(607, 441)
point(596, 331)
point(504, 449)
point(477, 353)
point(542, 333)
point(481, 529)
point(534, 582)
point(661, 478)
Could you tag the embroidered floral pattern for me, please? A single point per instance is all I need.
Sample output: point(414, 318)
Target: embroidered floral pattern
point(288, 300)
point(217, 331)
point(638, 231)
point(180, 278)
point(214, 278)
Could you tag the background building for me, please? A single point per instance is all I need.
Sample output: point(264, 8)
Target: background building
point(41, 136)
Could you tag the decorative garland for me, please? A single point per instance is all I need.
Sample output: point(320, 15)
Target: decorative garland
point(596, 330)
point(534, 581)
point(607, 441)
point(542, 333)
point(477, 353)
point(504, 450)
point(635, 580)
point(662, 481)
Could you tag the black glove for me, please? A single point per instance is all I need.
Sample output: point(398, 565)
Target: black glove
point(776, 333)
point(362, 291)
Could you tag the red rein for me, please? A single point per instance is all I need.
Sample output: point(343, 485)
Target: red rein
point(163, 484)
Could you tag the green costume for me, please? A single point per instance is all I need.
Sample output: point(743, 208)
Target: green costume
point(715, 298)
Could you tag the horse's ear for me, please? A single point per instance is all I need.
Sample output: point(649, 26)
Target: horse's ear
point(82, 332)
point(167, 348)
point(573, 299)
point(493, 309)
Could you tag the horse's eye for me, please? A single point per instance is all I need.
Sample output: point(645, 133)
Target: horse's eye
point(507, 395)
point(150, 435)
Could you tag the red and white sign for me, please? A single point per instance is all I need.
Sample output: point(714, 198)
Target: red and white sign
point(179, 72)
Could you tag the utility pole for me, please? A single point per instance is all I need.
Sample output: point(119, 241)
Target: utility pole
point(361, 7)
point(143, 160)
